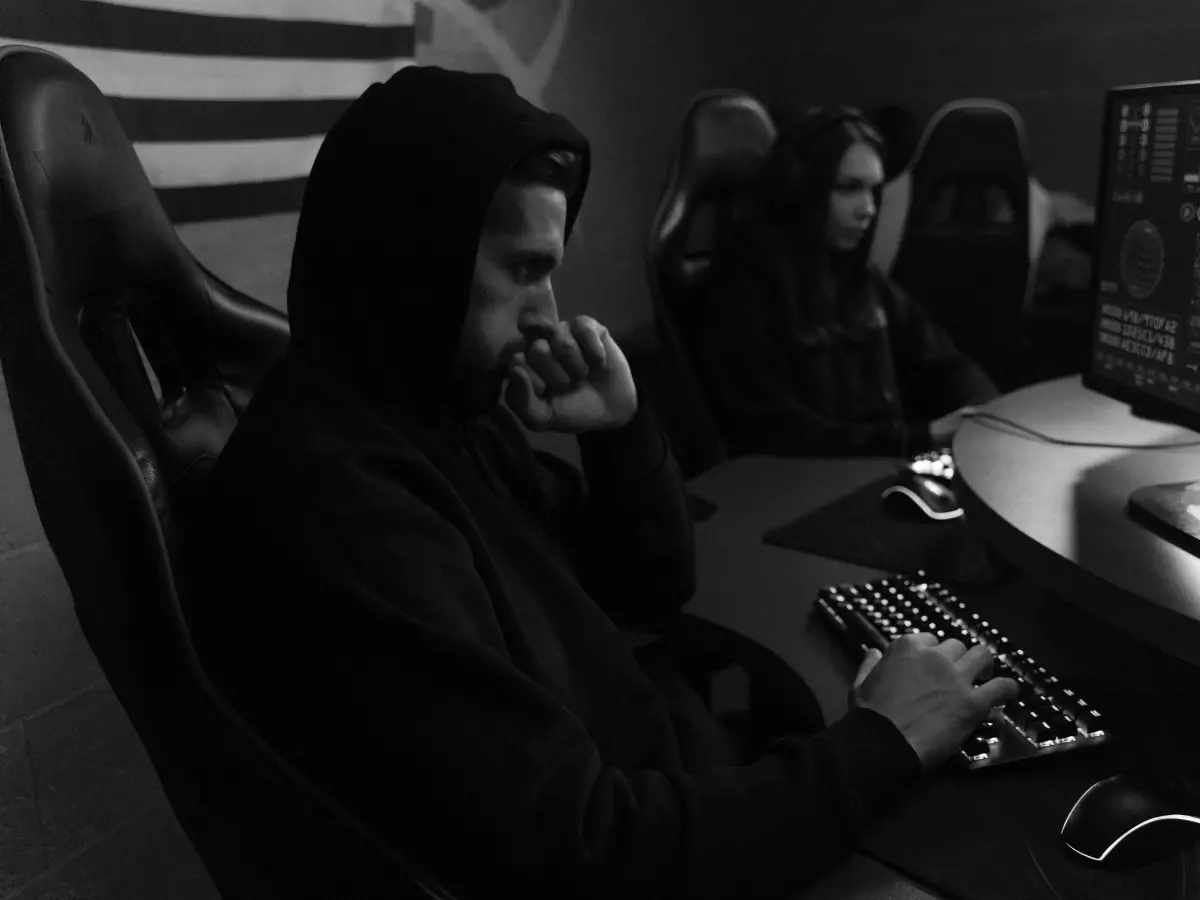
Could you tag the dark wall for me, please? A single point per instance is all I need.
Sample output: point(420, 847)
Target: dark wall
point(624, 75)
point(1051, 60)
point(627, 72)
point(629, 68)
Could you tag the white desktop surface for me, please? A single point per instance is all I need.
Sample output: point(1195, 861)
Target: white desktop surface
point(1059, 512)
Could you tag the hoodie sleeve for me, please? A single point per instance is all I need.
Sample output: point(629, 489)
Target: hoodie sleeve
point(757, 398)
point(927, 357)
point(629, 505)
point(423, 670)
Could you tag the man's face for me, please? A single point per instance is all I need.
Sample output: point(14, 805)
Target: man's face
point(512, 299)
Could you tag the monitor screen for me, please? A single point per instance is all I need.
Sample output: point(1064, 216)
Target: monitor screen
point(1146, 282)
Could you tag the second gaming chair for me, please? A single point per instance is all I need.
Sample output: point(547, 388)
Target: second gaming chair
point(95, 280)
point(957, 224)
point(724, 139)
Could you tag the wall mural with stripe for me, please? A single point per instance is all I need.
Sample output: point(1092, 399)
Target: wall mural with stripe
point(227, 101)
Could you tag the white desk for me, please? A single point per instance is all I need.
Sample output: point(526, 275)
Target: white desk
point(1058, 512)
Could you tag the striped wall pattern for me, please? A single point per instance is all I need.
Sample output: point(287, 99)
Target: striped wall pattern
point(226, 101)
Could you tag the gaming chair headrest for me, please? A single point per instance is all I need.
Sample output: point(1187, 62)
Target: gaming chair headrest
point(972, 135)
point(725, 137)
point(115, 282)
point(98, 223)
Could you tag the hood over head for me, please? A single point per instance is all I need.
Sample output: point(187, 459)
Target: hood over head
point(393, 212)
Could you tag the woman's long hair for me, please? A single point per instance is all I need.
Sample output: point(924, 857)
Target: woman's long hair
point(796, 182)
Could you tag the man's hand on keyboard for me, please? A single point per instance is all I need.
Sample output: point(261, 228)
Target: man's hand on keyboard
point(926, 689)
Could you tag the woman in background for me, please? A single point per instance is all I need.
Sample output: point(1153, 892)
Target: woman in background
point(805, 348)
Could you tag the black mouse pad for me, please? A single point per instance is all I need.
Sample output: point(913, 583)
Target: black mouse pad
point(994, 834)
point(857, 528)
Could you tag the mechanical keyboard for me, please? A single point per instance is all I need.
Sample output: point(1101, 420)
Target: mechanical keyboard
point(1046, 717)
point(936, 463)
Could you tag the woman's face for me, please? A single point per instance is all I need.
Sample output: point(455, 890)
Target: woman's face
point(852, 200)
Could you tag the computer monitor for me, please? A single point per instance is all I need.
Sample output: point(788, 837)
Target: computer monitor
point(1146, 277)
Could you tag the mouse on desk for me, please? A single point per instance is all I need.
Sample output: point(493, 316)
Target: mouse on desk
point(1122, 822)
point(916, 496)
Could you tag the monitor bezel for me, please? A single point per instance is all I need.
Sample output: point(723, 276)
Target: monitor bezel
point(1140, 402)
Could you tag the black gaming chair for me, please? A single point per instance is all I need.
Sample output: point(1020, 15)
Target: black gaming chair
point(93, 277)
point(964, 246)
point(725, 137)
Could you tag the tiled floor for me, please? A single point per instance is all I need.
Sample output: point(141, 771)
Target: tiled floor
point(82, 814)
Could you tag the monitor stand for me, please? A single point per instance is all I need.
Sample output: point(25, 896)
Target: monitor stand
point(1170, 510)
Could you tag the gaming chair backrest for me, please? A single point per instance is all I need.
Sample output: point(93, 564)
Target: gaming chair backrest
point(964, 252)
point(723, 141)
point(93, 275)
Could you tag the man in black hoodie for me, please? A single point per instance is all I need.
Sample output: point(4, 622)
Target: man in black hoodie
point(423, 612)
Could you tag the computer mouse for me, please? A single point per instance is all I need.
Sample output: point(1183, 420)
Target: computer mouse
point(929, 497)
point(1124, 821)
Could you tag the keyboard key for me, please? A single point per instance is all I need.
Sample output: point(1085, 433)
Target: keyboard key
point(1052, 709)
point(1089, 722)
point(1047, 725)
point(988, 732)
point(1025, 691)
point(1036, 728)
point(1072, 704)
point(1043, 707)
point(1018, 713)
point(974, 748)
point(1062, 728)
point(864, 630)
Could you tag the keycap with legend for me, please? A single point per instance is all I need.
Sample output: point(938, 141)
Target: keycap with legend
point(1047, 717)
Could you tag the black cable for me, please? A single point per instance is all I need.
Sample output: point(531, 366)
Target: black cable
point(1053, 440)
